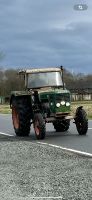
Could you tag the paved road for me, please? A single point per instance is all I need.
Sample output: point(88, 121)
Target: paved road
point(29, 170)
point(69, 139)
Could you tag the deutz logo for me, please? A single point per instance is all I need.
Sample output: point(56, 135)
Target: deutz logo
point(80, 7)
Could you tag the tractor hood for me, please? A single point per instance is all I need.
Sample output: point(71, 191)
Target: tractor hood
point(58, 99)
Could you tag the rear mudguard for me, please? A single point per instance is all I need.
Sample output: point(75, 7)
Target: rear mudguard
point(18, 94)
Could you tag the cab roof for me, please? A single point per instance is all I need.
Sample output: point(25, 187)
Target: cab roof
point(40, 70)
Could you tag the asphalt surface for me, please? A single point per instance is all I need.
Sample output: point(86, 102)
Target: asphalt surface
point(29, 170)
point(69, 139)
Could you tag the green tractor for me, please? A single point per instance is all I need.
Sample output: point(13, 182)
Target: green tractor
point(45, 100)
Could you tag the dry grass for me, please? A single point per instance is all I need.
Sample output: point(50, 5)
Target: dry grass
point(5, 109)
point(87, 105)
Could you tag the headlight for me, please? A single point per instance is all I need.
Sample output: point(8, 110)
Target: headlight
point(62, 103)
point(67, 104)
point(58, 105)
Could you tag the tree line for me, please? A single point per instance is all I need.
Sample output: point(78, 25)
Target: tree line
point(78, 81)
point(11, 81)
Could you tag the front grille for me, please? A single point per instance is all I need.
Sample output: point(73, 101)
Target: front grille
point(62, 97)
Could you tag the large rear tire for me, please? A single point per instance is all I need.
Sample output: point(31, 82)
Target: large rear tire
point(21, 115)
point(81, 121)
point(39, 126)
point(62, 126)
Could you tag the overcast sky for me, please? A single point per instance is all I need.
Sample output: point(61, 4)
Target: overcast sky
point(41, 33)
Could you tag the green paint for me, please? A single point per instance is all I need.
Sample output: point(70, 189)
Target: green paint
point(55, 96)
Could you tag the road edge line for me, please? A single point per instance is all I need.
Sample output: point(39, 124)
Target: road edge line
point(1, 133)
point(81, 153)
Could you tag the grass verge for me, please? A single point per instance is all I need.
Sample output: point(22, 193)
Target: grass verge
point(87, 105)
point(5, 109)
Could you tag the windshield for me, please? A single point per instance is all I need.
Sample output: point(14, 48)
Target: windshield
point(46, 79)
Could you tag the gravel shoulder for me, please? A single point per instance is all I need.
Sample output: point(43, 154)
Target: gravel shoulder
point(30, 170)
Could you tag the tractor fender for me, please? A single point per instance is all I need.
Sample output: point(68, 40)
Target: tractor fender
point(77, 112)
point(15, 94)
point(78, 109)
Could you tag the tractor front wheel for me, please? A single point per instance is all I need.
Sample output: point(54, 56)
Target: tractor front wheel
point(81, 121)
point(39, 126)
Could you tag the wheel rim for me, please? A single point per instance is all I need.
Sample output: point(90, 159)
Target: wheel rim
point(37, 128)
point(15, 118)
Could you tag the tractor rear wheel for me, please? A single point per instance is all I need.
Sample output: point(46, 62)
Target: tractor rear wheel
point(81, 121)
point(62, 126)
point(39, 126)
point(21, 115)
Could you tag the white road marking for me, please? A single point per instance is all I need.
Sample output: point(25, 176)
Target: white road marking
point(1, 133)
point(56, 146)
point(82, 153)
point(46, 197)
point(89, 128)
